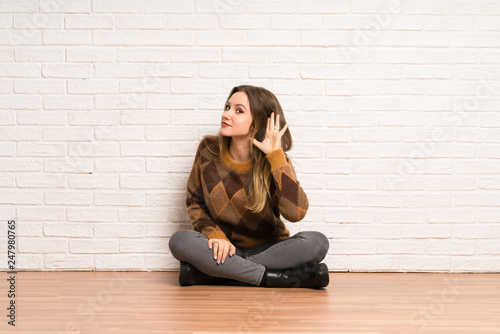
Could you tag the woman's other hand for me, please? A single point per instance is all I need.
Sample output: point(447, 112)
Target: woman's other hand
point(221, 248)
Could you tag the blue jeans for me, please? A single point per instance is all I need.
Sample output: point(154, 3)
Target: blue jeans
point(249, 264)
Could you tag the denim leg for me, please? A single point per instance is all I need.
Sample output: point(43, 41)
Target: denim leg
point(302, 248)
point(192, 247)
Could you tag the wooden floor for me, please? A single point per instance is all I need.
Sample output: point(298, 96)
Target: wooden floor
point(153, 302)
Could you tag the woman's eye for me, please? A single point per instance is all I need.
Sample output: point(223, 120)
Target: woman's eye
point(239, 111)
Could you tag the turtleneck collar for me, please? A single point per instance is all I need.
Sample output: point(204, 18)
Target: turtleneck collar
point(236, 166)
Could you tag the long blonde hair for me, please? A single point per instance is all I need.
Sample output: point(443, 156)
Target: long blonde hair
point(262, 104)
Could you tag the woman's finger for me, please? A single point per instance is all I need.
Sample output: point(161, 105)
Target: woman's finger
point(282, 132)
point(271, 128)
point(216, 247)
point(277, 126)
point(224, 253)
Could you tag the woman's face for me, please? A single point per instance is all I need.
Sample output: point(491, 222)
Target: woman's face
point(237, 118)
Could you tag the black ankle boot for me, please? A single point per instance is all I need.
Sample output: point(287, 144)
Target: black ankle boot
point(189, 275)
point(313, 276)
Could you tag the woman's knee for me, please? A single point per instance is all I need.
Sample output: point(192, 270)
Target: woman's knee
point(180, 241)
point(319, 243)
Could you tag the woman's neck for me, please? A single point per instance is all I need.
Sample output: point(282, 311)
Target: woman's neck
point(239, 149)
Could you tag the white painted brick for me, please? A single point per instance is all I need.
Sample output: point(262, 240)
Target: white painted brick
point(291, 22)
point(323, 38)
point(5, 21)
point(5, 88)
point(92, 214)
point(400, 247)
point(23, 197)
point(353, 182)
point(273, 38)
point(67, 134)
point(7, 181)
point(28, 229)
point(48, 6)
point(488, 247)
point(322, 7)
point(42, 54)
point(350, 151)
point(488, 183)
point(119, 261)
point(375, 263)
point(20, 37)
point(476, 263)
point(68, 197)
point(120, 101)
point(195, 118)
point(21, 165)
point(43, 245)
point(397, 216)
point(39, 118)
point(427, 200)
point(39, 86)
point(134, 54)
point(94, 149)
point(228, 71)
point(251, 55)
point(113, 165)
point(378, 72)
point(118, 198)
point(40, 181)
point(145, 214)
point(373, 231)
point(73, 165)
point(425, 263)
point(143, 182)
point(323, 135)
point(170, 6)
point(20, 70)
point(421, 231)
point(93, 246)
point(145, 149)
point(404, 183)
point(156, 70)
point(197, 22)
point(348, 87)
point(170, 199)
point(204, 54)
point(375, 200)
point(452, 183)
point(376, 135)
point(295, 87)
point(30, 262)
point(7, 149)
point(120, 6)
point(69, 262)
point(319, 198)
point(79, 230)
point(140, 86)
point(351, 247)
point(21, 102)
point(40, 214)
point(276, 6)
point(172, 133)
point(66, 102)
point(90, 53)
point(122, 230)
point(38, 21)
point(82, 71)
point(149, 245)
point(249, 21)
point(92, 86)
point(93, 181)
point(70, 37)
point(482, 166)
point(161, 263)
point(450, 247)
point(326, 166)
point(88, 22)
point(448, 23)
point(141, 22)
point(183, 148)
point(40, 150)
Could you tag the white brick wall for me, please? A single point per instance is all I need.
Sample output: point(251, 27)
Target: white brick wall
point(393, 105)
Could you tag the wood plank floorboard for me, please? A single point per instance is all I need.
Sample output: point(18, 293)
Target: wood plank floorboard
point(153, 302)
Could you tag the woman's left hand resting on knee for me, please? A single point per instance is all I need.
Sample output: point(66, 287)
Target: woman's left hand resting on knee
point(220, 249)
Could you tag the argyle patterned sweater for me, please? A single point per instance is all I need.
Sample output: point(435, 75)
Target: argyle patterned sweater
point(216, 198)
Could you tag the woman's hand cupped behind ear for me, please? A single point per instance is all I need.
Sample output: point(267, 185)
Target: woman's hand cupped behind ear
point(272, 139)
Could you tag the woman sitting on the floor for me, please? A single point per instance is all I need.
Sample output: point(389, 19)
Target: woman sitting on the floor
point(240, 183)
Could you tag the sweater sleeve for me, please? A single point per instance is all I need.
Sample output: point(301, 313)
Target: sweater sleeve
point(291, 199)
point(197, 209)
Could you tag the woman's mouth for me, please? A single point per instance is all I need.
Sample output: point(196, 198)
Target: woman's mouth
point(224, 124)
